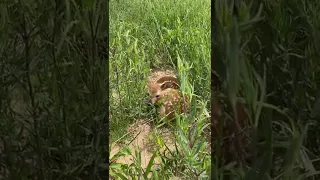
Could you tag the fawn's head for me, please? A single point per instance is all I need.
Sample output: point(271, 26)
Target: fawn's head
point(156, 89)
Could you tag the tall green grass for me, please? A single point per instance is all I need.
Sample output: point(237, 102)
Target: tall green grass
point(53, 92)
point(145, 34)
point(267, 56)
point(189, 158)
point(169, 34)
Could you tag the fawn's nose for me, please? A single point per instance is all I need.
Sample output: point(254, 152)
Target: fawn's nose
point(153, 100)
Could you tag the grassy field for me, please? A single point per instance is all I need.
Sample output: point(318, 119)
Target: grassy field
point(268, 58)
point(167, 34)
point(53, 90)
point(145, 33)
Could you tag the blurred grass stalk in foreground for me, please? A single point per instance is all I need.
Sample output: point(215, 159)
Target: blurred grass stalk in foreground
point(245, 52)
point(53, 104)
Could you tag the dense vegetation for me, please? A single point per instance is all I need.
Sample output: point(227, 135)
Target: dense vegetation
point(55, 85)
point(53, 89)
point(267, 55)
point(161, 34)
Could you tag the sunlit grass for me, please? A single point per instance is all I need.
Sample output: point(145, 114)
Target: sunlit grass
point(175, 34)
point(152, 33)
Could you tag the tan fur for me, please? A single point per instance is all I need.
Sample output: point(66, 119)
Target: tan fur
point(171, 101)
point(160, 76)
point(162, 85)
point(160, 80)
point(156, 89)
point(167, 78)
point(164, 81)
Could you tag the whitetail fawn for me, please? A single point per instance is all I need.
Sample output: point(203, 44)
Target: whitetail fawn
point(165, 92)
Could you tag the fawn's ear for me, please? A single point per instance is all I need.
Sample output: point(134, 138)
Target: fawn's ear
point(169, 84)
point(167, 78)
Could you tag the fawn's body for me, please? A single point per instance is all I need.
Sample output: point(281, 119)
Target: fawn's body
point(164, 91)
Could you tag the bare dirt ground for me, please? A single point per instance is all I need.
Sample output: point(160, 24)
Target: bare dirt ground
point(142, 137)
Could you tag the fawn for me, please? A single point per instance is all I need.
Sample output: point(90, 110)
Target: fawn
point(161, 84)
point(165, 91)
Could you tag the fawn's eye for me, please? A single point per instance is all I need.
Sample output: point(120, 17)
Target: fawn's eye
point(157, 96)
